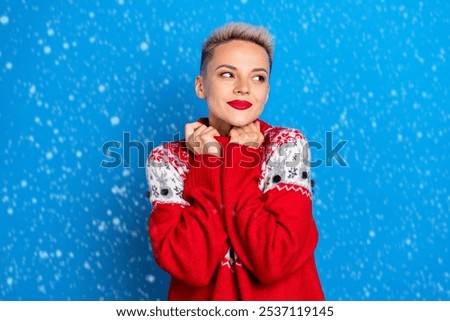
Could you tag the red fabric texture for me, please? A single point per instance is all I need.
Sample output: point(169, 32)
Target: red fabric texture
point(233, 241)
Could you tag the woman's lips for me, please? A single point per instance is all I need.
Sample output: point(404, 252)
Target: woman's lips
point(240, 104)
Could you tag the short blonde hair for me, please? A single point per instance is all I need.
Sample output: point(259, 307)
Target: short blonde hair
point(236, 31)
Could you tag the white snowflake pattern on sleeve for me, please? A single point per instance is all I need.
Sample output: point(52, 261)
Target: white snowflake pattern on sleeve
point(286, 165)
point(165, 175)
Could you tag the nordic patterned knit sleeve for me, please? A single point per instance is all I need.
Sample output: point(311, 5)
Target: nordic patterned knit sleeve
point(271, 226)
point(185, 227)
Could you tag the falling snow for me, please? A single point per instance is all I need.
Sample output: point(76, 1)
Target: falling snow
point(77, 75)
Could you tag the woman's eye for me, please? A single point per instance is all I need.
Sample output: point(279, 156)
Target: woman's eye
point(226, 74)
point(259, 78)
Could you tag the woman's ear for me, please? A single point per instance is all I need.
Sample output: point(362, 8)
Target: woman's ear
point(199, 87)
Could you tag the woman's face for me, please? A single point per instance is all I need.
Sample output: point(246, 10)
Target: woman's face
point(236, 84)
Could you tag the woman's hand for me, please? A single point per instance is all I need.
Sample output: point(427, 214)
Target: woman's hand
point(200, 139)
point(249, 135)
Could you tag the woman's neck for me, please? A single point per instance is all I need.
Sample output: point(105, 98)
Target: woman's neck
point(222, 127)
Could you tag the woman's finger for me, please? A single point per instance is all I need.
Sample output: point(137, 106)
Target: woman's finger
point(190, 128)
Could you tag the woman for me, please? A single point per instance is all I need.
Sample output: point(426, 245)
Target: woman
point(231, 206)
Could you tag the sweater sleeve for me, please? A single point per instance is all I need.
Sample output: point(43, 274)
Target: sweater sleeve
point(186, 228)
point(271, 228)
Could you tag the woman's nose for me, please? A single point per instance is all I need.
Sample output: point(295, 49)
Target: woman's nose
point(241, 87)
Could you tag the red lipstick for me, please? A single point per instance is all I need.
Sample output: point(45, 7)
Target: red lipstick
point(240, 104)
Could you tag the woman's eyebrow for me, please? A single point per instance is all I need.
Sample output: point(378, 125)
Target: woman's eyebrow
point(227, 66)
point(234, 68)
point(260, 69)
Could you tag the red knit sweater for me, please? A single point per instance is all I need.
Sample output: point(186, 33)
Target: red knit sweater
point(238, 226)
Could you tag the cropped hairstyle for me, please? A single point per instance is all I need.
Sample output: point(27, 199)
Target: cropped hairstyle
point(236, 31)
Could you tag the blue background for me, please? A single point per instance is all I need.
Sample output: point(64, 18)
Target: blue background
point(77, 74)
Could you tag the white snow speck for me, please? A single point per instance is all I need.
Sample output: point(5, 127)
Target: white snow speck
point(49, 155)
point(166, 27)
point(47, 50)
point(4, 20)
point(116, 221)
point(372, 234)
point(150, 278)
point(51, 32)
point(102, 226)
point(79, 154)
point(144, 46)
point(115, 120)
point(101, 88)
point(8, 65)
point(32, 89)
point(119, 190)
point(10, 211)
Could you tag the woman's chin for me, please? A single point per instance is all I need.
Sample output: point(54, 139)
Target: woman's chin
point(242, 122)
